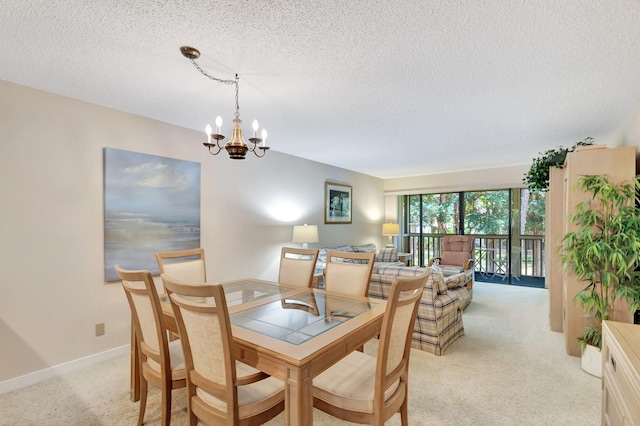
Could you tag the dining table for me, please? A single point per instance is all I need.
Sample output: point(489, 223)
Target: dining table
point(289, 332)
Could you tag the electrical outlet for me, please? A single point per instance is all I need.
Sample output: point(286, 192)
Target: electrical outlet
point(100, 329)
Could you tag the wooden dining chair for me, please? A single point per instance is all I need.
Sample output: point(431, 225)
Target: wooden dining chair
point(369, 390)
point(297, 266)
point(161, 363)
point(220, 389)
point(348, 272)
point(184, 265)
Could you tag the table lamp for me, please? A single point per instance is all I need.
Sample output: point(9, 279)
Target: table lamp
point(305, 234)
point(390, 229)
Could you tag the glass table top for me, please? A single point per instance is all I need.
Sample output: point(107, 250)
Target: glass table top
point(299, 317)
point(241, 292)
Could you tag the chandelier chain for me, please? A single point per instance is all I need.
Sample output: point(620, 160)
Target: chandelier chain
point(237, 102)
point(219, 80)
point(203, 72)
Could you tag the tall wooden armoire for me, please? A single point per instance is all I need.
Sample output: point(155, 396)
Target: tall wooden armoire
point(554, 230)
point(619, 164)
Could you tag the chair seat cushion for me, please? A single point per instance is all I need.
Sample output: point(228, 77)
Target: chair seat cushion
point(448, 270)
point(253, 398)
point(350, 383)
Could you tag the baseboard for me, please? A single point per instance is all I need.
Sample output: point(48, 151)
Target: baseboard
point(61, 369)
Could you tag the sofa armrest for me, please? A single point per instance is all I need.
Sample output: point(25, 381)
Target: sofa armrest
point(433, 259)
point(446, 303)
point(455, 280)
point(468, 264)
point(381, 281)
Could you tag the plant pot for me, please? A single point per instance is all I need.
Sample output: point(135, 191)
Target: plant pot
point(592, 360)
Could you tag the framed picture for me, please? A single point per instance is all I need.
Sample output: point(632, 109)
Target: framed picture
point(151, 204)
point(337, 203)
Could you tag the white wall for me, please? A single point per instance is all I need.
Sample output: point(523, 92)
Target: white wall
point(498, 178)
point(485, 179)
point(52, 290)
point(629, 134)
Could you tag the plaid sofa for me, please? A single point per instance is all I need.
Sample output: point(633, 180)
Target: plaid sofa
point(439, 321)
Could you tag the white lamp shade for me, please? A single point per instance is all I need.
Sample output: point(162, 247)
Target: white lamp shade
point(390, 229)
point(305, 234)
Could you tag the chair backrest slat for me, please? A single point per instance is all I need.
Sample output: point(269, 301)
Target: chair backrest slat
point(395, 337)
point(297, 266)
point(205, 335)
point(456, 249)
point(189, 270)
point(184, 265)
point(146, 314)
point(148, 328)
point(349, 276)
point(205, 330)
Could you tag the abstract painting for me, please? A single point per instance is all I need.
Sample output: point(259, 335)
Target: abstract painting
point(151, 204)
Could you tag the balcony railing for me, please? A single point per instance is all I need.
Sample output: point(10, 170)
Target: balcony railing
point(491, 253)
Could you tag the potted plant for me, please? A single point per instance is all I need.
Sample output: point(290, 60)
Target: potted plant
point(537, 178)
point(604, 251)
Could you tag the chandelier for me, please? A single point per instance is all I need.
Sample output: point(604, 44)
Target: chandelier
point(236, 147)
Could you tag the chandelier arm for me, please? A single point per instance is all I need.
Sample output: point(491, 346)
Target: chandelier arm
point(211, 145)
point(261, 148)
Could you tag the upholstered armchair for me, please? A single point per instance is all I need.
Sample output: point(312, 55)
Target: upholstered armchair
point(457, 255)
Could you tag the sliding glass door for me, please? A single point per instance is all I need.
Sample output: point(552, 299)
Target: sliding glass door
point(508, 226)
point(429, 216)
point(487, 217)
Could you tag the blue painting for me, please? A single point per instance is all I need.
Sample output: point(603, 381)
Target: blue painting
point(151, 204)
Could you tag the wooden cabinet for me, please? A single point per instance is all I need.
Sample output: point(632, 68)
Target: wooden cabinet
point(619, 164)
point(620, 374)
point(554, 213)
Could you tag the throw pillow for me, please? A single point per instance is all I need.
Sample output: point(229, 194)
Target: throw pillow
point(345, 248)
point(365, 248)
point(387, 255)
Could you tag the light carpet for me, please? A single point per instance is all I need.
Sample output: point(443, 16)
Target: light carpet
point(508, 369)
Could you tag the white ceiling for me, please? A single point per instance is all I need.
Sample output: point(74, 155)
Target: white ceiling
point(389, 88)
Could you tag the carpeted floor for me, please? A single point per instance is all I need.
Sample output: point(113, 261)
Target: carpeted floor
point(508, 369)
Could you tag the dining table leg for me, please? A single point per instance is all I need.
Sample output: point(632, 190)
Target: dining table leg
point(298, 396)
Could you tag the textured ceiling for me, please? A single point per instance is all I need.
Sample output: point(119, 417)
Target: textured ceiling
point(389, 88)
